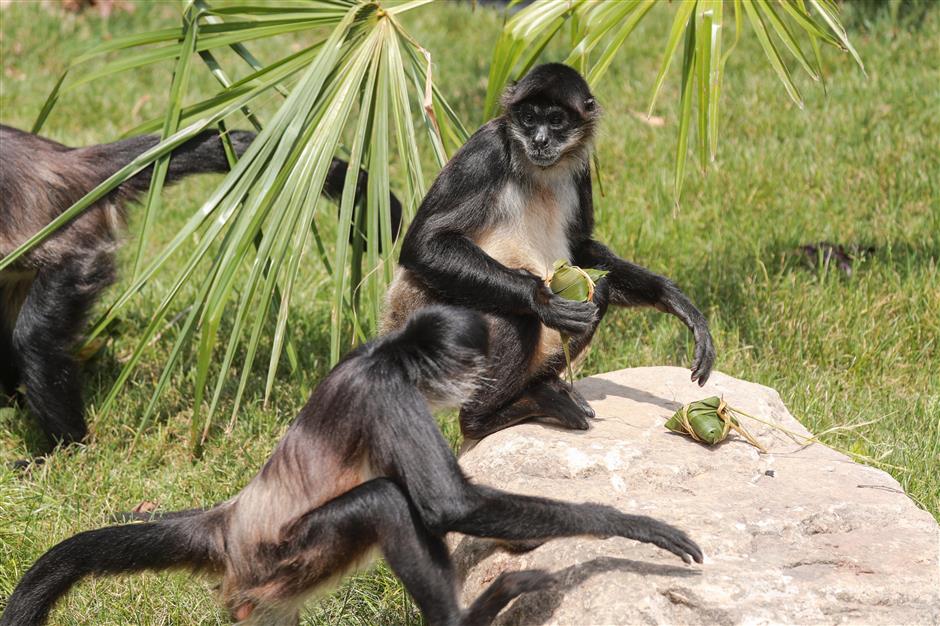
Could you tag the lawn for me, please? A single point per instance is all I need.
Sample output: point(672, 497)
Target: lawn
point(860, 166)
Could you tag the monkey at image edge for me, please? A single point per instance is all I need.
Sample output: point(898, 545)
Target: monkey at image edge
point(362, 467)
point(514, 199)
point(45, 295)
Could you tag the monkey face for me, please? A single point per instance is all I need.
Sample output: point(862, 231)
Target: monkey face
point(546, 131)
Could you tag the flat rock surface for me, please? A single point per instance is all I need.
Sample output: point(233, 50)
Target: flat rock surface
point(798, 536)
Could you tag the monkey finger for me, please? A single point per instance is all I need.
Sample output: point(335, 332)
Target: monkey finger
point(582, 402)
point(704, 359)
point(572, 420)
point(676, 541)
point(569, 316)
point(700, 375)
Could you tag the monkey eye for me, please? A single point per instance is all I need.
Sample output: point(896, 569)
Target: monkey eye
point(557, 120)
point(527, 118)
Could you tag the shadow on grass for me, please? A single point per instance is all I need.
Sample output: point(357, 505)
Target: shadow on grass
point(860, 256)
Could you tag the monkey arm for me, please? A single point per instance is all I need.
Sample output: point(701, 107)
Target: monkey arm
point(438, 247)
point(456, 269)
point(459, 272)
point(632, 285)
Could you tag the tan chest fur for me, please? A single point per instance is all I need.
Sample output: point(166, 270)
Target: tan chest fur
point(532, 233)
point(531, 230)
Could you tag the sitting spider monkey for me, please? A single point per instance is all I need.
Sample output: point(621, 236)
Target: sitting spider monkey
point(515, 198)
point(46, 295)
point(363, 466)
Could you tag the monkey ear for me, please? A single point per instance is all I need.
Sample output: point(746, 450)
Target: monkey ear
point(509, 95)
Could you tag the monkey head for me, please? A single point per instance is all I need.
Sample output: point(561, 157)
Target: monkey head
point(551, 113)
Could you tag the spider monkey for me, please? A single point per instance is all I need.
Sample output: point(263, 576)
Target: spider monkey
point(363, 466)
point(45, 296)
point(512, 200)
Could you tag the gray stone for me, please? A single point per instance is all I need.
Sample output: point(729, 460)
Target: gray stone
point(797, 536)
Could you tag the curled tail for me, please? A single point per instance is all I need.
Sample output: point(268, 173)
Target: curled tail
point(185, 542)
point(442, 350)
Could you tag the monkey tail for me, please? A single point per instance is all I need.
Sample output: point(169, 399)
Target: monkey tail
point(202, 154)
point(185, 542)
point(443, 351)
point(205, 154)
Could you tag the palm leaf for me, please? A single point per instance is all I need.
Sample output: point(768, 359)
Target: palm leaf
point(774, 22)
point(264, 213)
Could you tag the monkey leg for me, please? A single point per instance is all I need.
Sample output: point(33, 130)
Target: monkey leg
point(446, 501)
point(513, 341)
point(330, 539)
point(49, 320)
point(485, 512)
point(525, 392)
point(9, 373)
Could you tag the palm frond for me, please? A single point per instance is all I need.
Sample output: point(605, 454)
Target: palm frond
point(778, 24)
point(253, 231)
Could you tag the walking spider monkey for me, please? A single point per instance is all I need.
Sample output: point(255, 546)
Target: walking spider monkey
point(46, 295)
point(362, 467)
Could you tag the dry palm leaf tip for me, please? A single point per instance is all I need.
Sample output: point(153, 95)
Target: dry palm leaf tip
point(572, 283)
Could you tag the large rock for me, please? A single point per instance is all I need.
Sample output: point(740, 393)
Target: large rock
point(799, 535)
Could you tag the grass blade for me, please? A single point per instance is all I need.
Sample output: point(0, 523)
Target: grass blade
point(784, 34)
point(170, 125)
point(639, 11)
point(714, 75)
point(685, 105)
point(703, 63)
point(828, 13)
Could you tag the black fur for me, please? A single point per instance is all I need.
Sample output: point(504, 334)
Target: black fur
point(291, 529)
point(543, 137)
point(45, 296)
point(112, 550)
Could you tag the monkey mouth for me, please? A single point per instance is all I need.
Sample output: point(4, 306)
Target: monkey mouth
point(543, 158)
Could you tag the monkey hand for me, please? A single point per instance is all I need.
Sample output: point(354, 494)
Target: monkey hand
point(704, 354)
point(566, 316)
point(665, 536)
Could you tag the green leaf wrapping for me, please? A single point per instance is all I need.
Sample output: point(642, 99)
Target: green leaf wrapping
point(572, 283)
point(700, 419)
point(709, 420)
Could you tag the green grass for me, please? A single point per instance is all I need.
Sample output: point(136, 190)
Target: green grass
point(857, 166)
